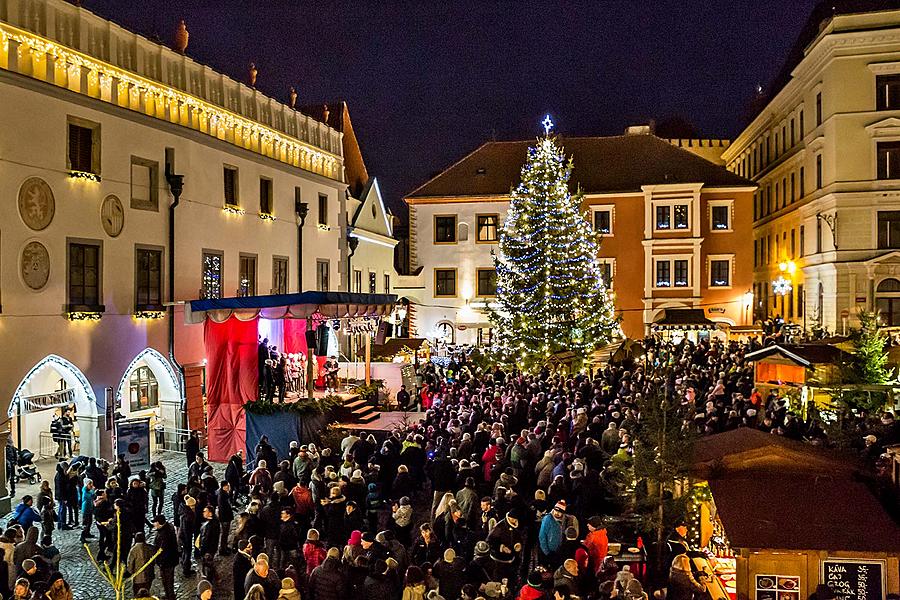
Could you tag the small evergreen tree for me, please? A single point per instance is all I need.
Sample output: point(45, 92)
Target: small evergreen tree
point(550, 291)
point(870, 354)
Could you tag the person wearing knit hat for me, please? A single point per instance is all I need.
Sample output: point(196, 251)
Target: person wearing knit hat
point(550, 536)
point(204, 590)
point(288, 590)
point(190, 501)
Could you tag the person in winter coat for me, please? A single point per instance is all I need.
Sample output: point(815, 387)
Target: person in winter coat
point(262, 478)
point(234, 472)
point(288, 590)
point(157, 485)
point(414, 586)
point(210, 532)
point(450, 574)
point(313, 551)
point(328, 580)
point(550, 536)
point(140, 555)
point(596, 542)
point(24, 514)
point(186, 531)
point(225, 513)
point(263, 576)
point(403, 483)
point(27, 548)
point(288, 540)
point(8, 546)
point(467, 499)
point(426, 548)
point(682, 584)
point(567, 576)
point(241, 565)
point(377, 585)
point(533, 588)
point(402, 516)
point(166, 542)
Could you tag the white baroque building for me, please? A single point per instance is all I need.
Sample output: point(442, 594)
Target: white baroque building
point(825, 152)
point(94, 120)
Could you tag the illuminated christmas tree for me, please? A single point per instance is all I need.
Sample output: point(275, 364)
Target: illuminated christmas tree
point(550, 291)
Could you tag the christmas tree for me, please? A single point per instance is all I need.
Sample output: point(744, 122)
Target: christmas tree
point(550, 291)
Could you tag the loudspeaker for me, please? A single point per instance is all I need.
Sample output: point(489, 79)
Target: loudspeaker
point(311, 340)
point(381, 333)
point(322, 340)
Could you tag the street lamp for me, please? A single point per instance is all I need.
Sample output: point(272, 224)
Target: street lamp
point(302, 211)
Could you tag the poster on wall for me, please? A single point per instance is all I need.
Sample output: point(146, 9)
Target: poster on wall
point(854, 579)
point(133, 441)
point(777, 587)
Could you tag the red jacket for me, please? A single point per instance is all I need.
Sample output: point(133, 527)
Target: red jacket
point(314, 554)
point(529, 593)
point(597, 545)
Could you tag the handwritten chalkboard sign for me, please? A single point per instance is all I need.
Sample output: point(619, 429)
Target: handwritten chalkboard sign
point(854, 579)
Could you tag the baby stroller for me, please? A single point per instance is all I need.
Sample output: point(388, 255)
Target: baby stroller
point(25, 469)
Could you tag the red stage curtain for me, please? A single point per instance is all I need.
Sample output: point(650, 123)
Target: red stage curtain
point(232, 378)
point(295, 341)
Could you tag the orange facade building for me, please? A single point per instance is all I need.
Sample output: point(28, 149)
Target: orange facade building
point(676, 235)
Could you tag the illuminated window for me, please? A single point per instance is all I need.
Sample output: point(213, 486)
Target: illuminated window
point(211, 281)
point(720, 221)
point(720, 273)
point(143, 389)
point(487, 228)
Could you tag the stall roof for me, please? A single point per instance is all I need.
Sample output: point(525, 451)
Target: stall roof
point(296, 306)
point(805, 355)
point(810, 512)
point(685, 316)
point(746, 449)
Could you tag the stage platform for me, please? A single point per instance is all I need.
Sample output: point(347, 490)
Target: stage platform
point(386, 421)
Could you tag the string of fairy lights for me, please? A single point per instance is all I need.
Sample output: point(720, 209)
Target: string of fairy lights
point(549, 286)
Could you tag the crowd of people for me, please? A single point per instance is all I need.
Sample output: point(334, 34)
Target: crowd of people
point(508, 488)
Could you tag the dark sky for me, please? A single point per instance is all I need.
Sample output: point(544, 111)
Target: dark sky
point(428, 81)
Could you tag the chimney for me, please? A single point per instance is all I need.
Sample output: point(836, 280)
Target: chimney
point(637, 130)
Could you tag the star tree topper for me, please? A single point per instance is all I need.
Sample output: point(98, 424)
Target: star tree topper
point(548, 124)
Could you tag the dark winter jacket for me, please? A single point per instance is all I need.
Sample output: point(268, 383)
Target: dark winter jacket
point(165, 540)
point(241, 565)
point(378, 587)
point(328, 581)
point(450, 576)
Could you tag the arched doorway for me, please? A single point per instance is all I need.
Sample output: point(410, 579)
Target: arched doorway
point(887, 302)
point(150, 388)
point(52, 385)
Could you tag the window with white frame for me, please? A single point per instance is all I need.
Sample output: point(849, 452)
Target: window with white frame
point(720, 270)
point(602, 219)
point(672, 216)
point(720, 215)
point(607, 271)
point(672, 272)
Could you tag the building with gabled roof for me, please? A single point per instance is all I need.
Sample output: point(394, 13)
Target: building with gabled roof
point(673, 227)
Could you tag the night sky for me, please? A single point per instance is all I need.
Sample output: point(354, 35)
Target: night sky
point(429, 81)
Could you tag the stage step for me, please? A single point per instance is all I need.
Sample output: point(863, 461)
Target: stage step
point(368, 418)
point(351, 406)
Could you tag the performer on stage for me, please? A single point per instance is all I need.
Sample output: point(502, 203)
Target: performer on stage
point(331, 373)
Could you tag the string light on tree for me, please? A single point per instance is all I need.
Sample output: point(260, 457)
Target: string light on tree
point(550, 291)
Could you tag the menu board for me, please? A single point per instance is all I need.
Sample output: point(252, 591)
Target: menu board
point(777, 587)
point(854, 579)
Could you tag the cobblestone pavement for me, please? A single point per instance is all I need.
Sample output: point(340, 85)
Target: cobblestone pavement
point(76, 566)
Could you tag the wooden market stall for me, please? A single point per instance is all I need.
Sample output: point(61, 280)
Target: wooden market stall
point(782, 517)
